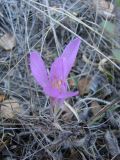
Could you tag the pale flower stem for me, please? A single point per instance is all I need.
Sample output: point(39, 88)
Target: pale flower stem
point(55, 108)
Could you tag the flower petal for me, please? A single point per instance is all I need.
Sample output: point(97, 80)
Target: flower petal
point(59, 95)
point(62, 66)
point(38, 69)
point(54, 92)
point(68, 95)
point(57, 69)
point(51, 92)
point(57, 75)
point(69, 55)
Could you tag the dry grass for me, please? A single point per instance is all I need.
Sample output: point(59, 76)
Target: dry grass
point(35, 134)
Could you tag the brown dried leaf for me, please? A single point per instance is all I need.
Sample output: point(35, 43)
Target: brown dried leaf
point(95, 107)
point(9, 108)
point(83, 85)
point(7, 41)
point(71, 82)
point(104, 8)
point(2, 97)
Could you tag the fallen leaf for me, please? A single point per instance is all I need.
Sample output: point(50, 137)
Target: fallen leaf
point(9, 108)
point(2, 97)
point(95, 107)
point(71, 82)
point(83, 85)
point(104, 8)
point(7, 41)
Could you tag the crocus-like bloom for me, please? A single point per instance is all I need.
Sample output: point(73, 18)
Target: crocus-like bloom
point(54, 84)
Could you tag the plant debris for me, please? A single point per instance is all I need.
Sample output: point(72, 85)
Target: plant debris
point(83, 85)
point(104, 8)
point(84, 127)
point(9, 109)
point(7, 41)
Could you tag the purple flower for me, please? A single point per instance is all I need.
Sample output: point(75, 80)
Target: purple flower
point(55, 84)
